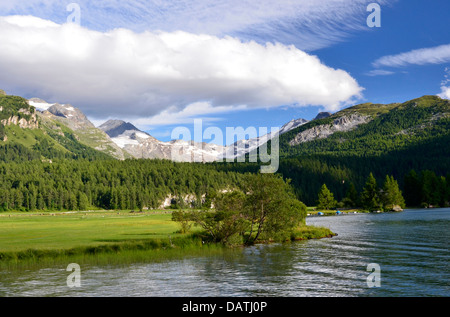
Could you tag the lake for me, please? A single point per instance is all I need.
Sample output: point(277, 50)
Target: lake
point(409, 248)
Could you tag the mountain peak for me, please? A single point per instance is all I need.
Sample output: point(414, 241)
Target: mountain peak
point(322, 115)
point(115, 128)
point(72, 116)
point(292, 125)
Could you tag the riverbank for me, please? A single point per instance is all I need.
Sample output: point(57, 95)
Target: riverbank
point(104, 237)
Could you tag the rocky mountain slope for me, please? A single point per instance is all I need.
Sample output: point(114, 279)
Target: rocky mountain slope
point(371, 129)
point(142, 145)
point(27, 134)
point(366, 129)
point(84, 130)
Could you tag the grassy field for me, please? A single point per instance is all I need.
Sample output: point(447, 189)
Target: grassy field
point(100, 237)
point(46, 231)
point(97, 237)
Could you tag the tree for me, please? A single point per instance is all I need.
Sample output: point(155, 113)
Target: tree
point(265, 208)
point(184, 218)
point(430, 188)
point(326, 199)
point(412, 189)
point(391, 194)
point(268, 202)
point(370, 196)
point(83, 201)
point(351, 196)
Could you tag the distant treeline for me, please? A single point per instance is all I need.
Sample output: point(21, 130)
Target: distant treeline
point(135, 184)
point(423, 180)
point(108, 184)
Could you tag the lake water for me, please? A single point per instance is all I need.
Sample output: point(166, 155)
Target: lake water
point(411, 249)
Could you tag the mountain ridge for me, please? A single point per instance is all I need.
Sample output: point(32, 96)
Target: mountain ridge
point(326, 133)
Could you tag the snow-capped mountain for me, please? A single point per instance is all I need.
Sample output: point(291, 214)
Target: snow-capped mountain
point(122, 139)
point(142, 145)
point(39, 104)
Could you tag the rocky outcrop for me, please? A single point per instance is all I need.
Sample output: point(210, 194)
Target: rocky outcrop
point(24, 123)
point(341, 124)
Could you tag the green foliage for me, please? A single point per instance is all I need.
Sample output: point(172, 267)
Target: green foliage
point(326, 199)
point(427, 189)
point(391, 195)
point(392, 128)
point(184, 218)
point(370, 196)
point(12, 105)
point(351, 198)
point(263, 209)
point(107, 184)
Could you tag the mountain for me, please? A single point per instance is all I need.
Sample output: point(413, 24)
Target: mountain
point(28, 134)
point(371, 129)
point(245, 146)
point(323, 115)
point(115, 128)
point(409, 129)
point(85, 132)
point(140, 144)
point(333, 149)
point(383, 139)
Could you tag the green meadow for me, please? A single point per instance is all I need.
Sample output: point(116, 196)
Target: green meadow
point(50, 231)
point(30, 239)
point(97, 237)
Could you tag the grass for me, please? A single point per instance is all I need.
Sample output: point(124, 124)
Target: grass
point(30, 239)
point(313, 211)
point(49, 231)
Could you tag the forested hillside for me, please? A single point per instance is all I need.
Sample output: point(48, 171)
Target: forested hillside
point(44, 166)
point(111, 184)
point(396, 139)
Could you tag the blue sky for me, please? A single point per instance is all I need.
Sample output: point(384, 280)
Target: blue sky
point(162, 64)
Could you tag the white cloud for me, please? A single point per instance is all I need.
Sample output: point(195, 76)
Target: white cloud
point(172, 116)
point(445, 92)
point(379, 72)
point(124, 73)
point(445, 88)
point(433, 55)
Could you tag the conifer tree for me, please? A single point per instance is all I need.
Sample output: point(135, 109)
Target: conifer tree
point(370, 196)
point(326, 199)
point(391, 195)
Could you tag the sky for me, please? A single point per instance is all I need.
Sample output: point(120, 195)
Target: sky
point(161, 64)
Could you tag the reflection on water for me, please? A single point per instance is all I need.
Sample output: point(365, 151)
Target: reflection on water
point(411, 248)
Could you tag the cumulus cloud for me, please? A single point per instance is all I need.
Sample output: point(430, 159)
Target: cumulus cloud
point(121, 72)
point(445, 92)
point(445, 85)
point(433, 55)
